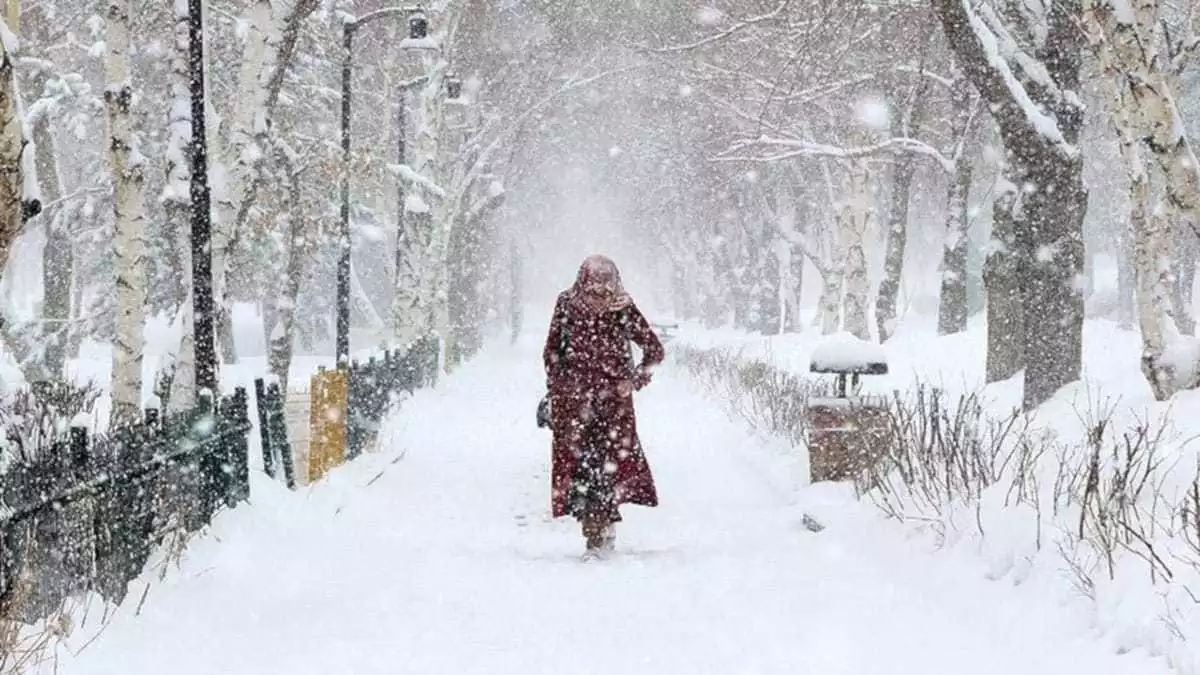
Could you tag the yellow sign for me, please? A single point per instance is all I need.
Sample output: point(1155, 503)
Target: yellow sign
point(327, 422)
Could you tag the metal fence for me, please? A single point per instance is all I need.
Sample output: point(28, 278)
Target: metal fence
point(372, 389)
point(375, 384)
point(85, 515)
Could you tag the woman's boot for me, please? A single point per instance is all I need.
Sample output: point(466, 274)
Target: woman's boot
point(593, 533)
point(608, 538)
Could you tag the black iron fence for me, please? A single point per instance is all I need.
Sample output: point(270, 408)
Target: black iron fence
point(372, 389)
point(375, 384)
point(85, 515)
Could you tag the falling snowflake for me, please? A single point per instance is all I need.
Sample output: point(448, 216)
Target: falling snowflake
point(708, 16)
point(874, 114)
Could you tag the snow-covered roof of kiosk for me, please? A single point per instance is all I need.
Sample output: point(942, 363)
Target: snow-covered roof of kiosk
point(845, 353)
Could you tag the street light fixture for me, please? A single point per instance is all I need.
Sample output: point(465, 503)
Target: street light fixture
point(453, 87)
point(418, 24)
point(418, 31)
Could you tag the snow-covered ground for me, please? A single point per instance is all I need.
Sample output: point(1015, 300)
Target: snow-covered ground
point(435, 555)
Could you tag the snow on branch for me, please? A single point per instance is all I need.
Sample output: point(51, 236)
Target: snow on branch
point(407, 174)
point(790, 149)
point(942, 80)
point(717, 37)
point(987, 53)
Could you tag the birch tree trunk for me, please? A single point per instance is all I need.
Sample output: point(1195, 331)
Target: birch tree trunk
point(855, 222)
point(418, 279)
point(1144, 112)
point(12, 148)
point(1126, 36)
point(829, 304)
point(176, 203)
point(301, 244)
point(58, 259)
point(897, 243)
point(270, 50)
point(128, 241)
point(236, 156)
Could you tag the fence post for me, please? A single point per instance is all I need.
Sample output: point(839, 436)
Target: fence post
point(264, 431)
point(276, 419)
point(203, 432)
point(238, 448)
point(79, 446)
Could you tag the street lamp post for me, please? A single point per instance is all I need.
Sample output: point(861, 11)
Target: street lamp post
point(201, 223)
point(418, 27)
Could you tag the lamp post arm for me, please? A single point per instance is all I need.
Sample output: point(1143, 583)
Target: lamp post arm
point(378, 14)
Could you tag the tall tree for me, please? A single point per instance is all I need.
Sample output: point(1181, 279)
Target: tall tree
point(127, 165)
point(1031, 86)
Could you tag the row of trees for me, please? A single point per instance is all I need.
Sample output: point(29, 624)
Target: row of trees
point(96, 122)
point(801, 130)
point(757, 139)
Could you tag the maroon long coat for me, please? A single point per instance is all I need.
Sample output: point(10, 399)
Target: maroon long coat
point(586, 356)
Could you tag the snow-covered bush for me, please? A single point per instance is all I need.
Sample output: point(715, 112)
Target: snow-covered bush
point(33, 419)
point(767, 398)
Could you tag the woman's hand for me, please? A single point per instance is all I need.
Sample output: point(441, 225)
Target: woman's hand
point(640, 379)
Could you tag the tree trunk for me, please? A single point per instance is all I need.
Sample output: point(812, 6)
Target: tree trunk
point(1154, 302)
point(1039, 115)
point(270, 49)
point(301, 244)
point(416, 281)
point(829, 304)
point(177, 205)
point(897, 242)
point(1184, 271)
point(854, 223)
point(952, 306)
point(12, 147)
point(1145, 113)
point(58, 256)
point(1050, 241)
point(128, 241)
point(1001, 275)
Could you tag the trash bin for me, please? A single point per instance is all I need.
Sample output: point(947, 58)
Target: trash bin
point(847, 432)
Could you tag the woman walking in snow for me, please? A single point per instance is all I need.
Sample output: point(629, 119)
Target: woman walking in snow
point(597, 459)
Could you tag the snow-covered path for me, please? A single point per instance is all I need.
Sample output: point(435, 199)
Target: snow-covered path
point(443, 561)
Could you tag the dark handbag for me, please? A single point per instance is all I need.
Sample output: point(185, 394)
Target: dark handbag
point(543, 408)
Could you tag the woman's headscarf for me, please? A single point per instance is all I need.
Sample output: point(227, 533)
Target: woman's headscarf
point(598, 286)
